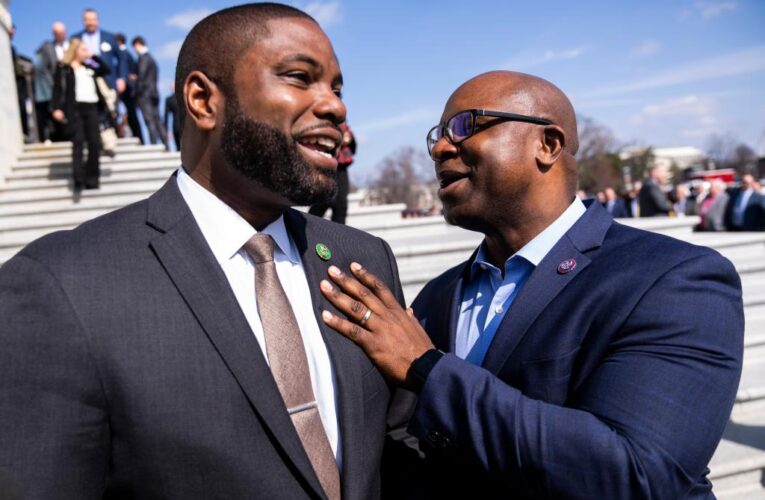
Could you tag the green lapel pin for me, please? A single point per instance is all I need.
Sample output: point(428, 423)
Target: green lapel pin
point(323, 252)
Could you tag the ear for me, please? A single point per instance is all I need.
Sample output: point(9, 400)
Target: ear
point(204, 100)
point(553, 143)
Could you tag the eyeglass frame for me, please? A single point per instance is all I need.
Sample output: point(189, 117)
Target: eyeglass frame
point(480, 112)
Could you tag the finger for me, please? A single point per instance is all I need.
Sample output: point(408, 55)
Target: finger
point(352, 308)
point(376, 285)
point(356, 290)
point(347, 328)
point(410, 312)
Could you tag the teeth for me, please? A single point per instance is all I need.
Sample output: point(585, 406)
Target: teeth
point(323, 142)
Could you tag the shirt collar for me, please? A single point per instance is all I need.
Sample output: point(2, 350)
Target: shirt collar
point(224, 229)
point(536, 249)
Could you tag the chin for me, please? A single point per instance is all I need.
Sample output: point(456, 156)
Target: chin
point(465, 219)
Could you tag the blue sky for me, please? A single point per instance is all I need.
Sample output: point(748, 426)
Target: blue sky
point(656, 73)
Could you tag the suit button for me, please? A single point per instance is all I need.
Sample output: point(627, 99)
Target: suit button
point(437, 440)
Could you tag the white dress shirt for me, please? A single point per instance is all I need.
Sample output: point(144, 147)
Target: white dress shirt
point(60, 49)
point(226, 232)
point(92, 41)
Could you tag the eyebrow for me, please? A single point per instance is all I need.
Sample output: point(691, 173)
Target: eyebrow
point(304, 58)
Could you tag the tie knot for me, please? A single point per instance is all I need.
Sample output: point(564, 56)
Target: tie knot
point(261, 248)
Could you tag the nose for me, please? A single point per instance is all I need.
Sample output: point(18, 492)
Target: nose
point(330, 106)
point(443, 148)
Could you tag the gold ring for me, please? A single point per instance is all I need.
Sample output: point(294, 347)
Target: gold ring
point(366, 317)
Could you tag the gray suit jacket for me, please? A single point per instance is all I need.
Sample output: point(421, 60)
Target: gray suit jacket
point(127, 368)
point(45, 70)
point(146, 84)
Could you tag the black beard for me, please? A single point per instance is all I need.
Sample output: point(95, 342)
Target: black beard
point(266, 155)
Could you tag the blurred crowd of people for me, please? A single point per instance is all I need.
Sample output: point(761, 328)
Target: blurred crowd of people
point(732, 206)
point(132, 75)
point(89, 89)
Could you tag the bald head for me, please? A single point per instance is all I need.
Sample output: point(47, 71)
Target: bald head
point(59, 32)
point(529, 95)
point(509, 177)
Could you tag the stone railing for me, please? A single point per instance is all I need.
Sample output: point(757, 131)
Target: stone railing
point(11, 140)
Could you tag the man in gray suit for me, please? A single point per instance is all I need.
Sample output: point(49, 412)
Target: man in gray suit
point(48, 56)
point(146, 92)
point(144, 352)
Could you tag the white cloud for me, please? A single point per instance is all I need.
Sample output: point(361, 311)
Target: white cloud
point(169, 50)
point(745, 61)
point(418, 115)
point(708, 10)
point(646, 48)
point(699, 108)
point(528, 59)
point(694, 116)
point(187, 19)
point(325, 13)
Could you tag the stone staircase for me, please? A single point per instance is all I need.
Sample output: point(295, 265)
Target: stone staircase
point(37, 198)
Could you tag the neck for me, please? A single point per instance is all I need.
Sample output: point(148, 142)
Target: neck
point(508, 238)
point(258, 206)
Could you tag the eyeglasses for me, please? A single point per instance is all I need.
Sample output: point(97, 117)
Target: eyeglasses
point(462, 125)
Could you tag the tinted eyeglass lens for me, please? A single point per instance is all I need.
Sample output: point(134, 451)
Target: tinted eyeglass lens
point(433, 136)
point(460, 126)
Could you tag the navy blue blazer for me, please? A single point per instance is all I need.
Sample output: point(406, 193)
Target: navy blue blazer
point(118, 65)
point(614, 380)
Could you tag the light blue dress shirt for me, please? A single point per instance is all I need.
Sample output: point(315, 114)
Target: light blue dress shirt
point(488, 293)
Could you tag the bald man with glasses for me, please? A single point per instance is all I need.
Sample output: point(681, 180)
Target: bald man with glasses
point(570, 356)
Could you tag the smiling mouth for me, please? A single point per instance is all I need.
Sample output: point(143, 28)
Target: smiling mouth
point(446, 178)
point(325, 146)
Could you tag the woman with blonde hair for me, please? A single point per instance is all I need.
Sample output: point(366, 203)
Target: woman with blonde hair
point(77, 104)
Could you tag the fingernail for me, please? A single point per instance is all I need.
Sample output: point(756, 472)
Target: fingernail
point(326, 315)
point(334, 271)
point(325, 286)
point(355, 266)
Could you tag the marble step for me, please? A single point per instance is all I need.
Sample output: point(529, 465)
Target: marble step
point(110, 176)
point(738, 465)
point(65, 155)
point(61, 192)
point(117, 165)
point(67, 146)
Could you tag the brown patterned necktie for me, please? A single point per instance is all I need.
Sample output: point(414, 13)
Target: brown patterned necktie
point(289, 366)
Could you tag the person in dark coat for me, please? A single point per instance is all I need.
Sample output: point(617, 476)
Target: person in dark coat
point(128, 96)
point(653, 201)
point(746, 207)
point(77, 104)
point(48, 56)
point(172, 113)
point(146, 92)
point(615, 205)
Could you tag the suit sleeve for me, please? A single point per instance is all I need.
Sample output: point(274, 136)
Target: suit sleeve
point(644, 424)
point(57, 101)
point(54, 432)
point(140, 82)
point(124, 65)
point(101, 67)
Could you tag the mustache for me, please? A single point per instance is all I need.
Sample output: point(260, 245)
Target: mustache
point(322, 124)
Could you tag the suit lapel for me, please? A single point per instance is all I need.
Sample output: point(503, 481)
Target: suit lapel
point(343, 353)
point(190, 264)
point(546, 282)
